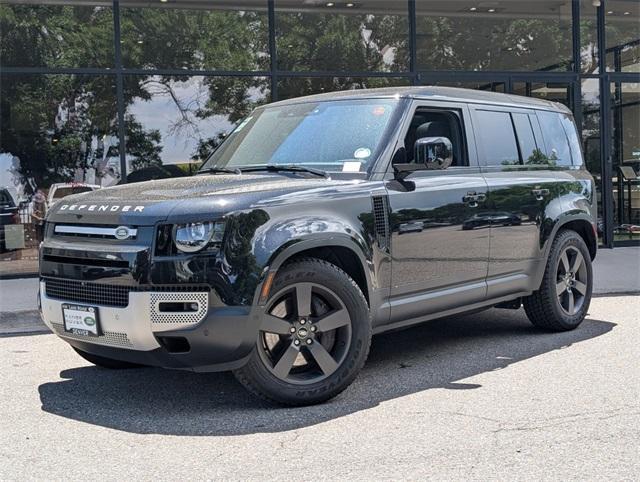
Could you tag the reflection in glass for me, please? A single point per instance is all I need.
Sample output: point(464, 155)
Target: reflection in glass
point(61, 128)
point(496, 139)
point(491, 86)
point(622, 35)
point(204, 36)
point(625, 143)
point(53, 129)
point(588, 38)
point(327, 36)
point(591, 140)
point(56, 35)
point(553, 91)
point(500, 35)
point(333, 135)
point(173, 123)
point(289, 87)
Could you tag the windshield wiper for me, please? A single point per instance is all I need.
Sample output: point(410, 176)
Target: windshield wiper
point(287, 168)
point(218, 170)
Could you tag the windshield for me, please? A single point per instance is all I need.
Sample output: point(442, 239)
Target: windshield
point(337, 136)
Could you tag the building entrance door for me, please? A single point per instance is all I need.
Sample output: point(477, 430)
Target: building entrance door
point(625, 157)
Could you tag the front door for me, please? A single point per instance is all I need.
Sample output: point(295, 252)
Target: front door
point(438, 261)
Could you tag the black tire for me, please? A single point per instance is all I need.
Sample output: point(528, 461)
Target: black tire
point(338, 325)
point(562, 301)
point(103, 362)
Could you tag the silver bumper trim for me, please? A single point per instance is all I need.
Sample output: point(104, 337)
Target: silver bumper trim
point(135, 326)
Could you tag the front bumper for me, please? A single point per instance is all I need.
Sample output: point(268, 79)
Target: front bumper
point(218, 338)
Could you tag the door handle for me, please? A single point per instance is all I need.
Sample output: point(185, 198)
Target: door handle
point(472, 198)
point(540, 193)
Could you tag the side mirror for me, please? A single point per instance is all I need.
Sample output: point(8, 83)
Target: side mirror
point(429, 153)
point(433, 152)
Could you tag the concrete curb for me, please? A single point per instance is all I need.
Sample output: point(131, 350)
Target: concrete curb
point(21, 323)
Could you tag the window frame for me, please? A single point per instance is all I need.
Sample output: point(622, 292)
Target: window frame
point(461, 111)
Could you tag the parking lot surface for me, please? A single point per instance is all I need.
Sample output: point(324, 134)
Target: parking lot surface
point(481, 397)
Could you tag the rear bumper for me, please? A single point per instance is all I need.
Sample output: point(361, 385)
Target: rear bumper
point(217, 338)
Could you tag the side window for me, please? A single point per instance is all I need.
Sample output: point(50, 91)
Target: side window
point(572, 135)
point(437, 123)
point(555, 140)
point(526, 139)
point(496, 139)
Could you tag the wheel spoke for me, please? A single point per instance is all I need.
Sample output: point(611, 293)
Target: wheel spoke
point(284, 365)
point(334, 320)
point(561, 287)
point(565, 262)
point(273, 324)
point(571, 298)
point(325, 361)
point(577, 262)
point(303, 299)
point(580, 287)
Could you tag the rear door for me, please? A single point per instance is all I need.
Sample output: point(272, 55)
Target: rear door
point(523, 192)
point(436, 263)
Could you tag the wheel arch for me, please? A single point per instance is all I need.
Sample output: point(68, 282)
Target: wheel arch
point(581, 225)
point(338, 249)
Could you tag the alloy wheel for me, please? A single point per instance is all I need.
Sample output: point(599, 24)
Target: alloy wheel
point(305, 333)
point(571, 280)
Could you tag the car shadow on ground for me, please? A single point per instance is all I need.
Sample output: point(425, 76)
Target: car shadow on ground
point(438, 354)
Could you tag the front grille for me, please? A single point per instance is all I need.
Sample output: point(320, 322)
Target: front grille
point(190, 317)
point(110, 295)
point(90, 293)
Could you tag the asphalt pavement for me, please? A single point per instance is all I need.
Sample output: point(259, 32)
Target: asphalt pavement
point(481, 397)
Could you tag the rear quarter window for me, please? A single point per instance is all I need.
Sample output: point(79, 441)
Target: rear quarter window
point(557, 151)
point(574, 142)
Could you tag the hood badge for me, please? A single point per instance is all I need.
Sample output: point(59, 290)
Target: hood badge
point(112, 208)
point(122, 232)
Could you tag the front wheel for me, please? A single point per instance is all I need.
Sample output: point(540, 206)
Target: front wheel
point(563, 299)
point(314, 337)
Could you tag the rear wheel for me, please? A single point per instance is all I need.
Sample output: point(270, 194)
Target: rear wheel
point(314, 337)
point(563, 299)
point(103, 362)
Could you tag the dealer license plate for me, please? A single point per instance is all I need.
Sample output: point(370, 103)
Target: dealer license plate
point(81, 320)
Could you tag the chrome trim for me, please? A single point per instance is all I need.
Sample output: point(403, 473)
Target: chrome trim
point(93, 230)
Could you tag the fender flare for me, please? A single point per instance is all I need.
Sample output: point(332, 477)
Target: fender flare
point(560, 221)
point(317, 240)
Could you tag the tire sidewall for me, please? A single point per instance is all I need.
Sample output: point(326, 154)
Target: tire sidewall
point(568, 239)
point(342, 285)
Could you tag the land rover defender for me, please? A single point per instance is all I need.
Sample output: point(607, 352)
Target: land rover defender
point(319, 222)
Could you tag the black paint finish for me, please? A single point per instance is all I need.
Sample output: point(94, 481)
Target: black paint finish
point(457, 239)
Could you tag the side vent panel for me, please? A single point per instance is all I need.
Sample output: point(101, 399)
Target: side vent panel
point(381, 221)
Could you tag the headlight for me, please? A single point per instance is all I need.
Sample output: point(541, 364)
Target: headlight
point(193, 237)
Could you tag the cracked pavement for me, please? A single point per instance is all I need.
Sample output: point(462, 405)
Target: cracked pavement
point(482, 397)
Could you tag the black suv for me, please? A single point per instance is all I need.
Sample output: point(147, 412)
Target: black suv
point(8, 215)
point(321, 221)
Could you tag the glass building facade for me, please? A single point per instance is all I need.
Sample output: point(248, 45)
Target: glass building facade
point(107, 92)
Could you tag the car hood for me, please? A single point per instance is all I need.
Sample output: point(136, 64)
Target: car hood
point(147, 203)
